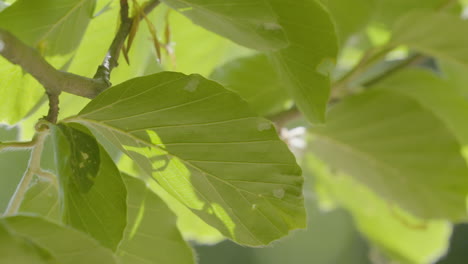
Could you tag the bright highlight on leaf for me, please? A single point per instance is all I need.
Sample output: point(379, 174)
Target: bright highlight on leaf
point(204, 146)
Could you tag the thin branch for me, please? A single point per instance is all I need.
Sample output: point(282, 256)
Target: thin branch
point(413, 60)
point(53, 80)
point(112, 57)
point(340, 87)
point(34, 166)
point(17, 145)
point(52, 115)
point(281, 119)
point(47, 176)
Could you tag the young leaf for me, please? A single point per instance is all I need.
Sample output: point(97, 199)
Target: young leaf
point(306, 64)
point(346, 24)
point(18, 92)
point(434, 94)
point(400, 150)
point(151, 235)
point(16, 249)
point(64, 244)
point(93, 193)
point(255, 79)
point(417, 31)
point(13, 163)
point(205, 147)
point(304, 61)
point(251, 23)
point(189, 224)
point(399, 235)
point(216, 49)
point(42, 198)
point(57, 25)
point(389, 11)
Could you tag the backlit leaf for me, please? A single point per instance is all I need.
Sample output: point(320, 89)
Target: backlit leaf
point(402, 151)
point(417, 30)
point(206, 148)
point(397, 234)
point(93, 193)
point(308, 47)
point(56, 26)
point(66, 245)
point(151, 235)
point(255, 80)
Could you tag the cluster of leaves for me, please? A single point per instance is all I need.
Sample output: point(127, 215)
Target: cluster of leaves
point(173, 156)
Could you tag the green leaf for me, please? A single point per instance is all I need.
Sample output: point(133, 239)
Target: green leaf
point(205, 147)
point(42, 199)
point(347, 24)
point(255, 80)
point(55, 26)
point(19, 92)
point(3, 5)
point(216, 49)
point(388, 11)
point(456, 76)
point(251, 23)
point(66, 245)
point(151, 235)
point(15, 249)
point(92, 190)
point(305, 65)
point(400, 150)
point(399, 235)
point(189, 224)
point(417, 31)
point(13, 163)
point(434, 94)
point(304, 61)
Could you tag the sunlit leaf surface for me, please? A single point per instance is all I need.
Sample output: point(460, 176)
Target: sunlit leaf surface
point(206, 148)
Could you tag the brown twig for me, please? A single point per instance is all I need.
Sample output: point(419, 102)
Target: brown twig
point(112, 57)
point(53, 80)
point(56, 81)
point(52, 115)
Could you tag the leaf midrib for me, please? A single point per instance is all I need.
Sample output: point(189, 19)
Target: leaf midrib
point(239, 190)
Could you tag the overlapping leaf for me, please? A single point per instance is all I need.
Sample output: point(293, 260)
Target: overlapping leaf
point(347, 25)
point(303, 61)
point(151, 235)
point(13, 163)
point(255, 80)
point(399, 149)
point(434, 94)
point(251, 23)
point(93, 192)
point(189, 224)
point(417, 30)
point(389, 11)
point(204, 146)
point(65, 245)
point(42, 199)
point(55, 26)
point(399, 235)
point(188, 59)
point(15, 249)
